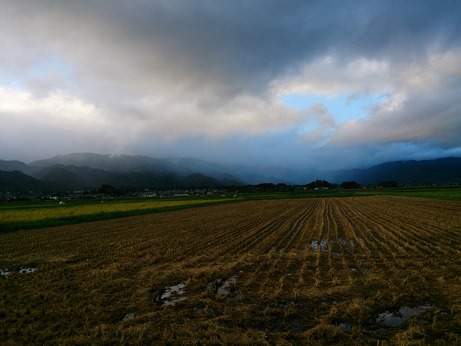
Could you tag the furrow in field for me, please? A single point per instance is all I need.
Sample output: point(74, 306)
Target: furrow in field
point(224, 236)
point(337, 247)
point(275, 267)
point(278, 241)
point(263, 237)
point(311, 245)
point(203, 235)
point(419, 225)
point(319, 246)
point(375, 250)
point(396, 232)
point(296, 226)
point(335, 273)
point(390, 233)
point(296, 265)
point(356, 240)
point(300, 272)
point(403, 225)
point(309, 236)
point(346, 238)
point(294, 262)
point(221, 236)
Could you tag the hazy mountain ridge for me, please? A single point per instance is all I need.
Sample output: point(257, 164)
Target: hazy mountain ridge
point(17, 181)
point(437, 171)
point(138, 170)
point(89, 171)
point(9, 166)
point(114, 163)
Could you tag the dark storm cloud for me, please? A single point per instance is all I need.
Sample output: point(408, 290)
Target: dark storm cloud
point(174, 69)
point(242, 46)
point(235, 46)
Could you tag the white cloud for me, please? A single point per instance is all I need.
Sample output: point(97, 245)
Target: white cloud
point(425, 108)
point(332, 76)
point(244, 115)
point(58, 110)
point(107, 77)
point(422, 101)
point(55, 123)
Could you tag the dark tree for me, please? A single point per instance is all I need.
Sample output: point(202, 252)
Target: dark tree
point(388, 183)
point(319, 184)
point(106, 189)
point(350, 185)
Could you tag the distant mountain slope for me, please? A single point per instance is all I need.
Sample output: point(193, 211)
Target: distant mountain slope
point(9, 166)
point(73, 177)
point(90, 171)
point(62, 178)
point(197, 180)
point(275, 174)
point(115, 163)
point(438, 171)
point(128, 163)
point(16, 181)
point(193, 166)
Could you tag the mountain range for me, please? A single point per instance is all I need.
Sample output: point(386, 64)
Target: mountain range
point(79, 171)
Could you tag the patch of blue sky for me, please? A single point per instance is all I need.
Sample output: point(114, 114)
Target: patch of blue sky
point(39, 69)
point(342, 108)
point(43, 67)
point(53, 69)
point(8, 80)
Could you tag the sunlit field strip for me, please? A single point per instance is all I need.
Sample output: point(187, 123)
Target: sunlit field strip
point(66, 211)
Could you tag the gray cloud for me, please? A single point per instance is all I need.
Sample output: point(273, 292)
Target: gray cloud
point(236, 46)
point(424, 108)
point(143, 72)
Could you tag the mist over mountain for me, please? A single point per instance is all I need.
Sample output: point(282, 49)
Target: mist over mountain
point(96, 169)
point(89, 171)
point(8, 166)
point(182, 166)
point(118, 163)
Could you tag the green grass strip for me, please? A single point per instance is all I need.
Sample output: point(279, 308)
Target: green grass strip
point(46, 216)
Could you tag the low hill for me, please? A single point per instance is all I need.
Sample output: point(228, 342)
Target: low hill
point(9, 166)
point(16, 181)
point(438, 171)
point(62, 178)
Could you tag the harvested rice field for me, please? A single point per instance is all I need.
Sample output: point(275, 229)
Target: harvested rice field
point(356, 270)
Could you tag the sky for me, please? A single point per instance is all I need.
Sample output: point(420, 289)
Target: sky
point(297, 83)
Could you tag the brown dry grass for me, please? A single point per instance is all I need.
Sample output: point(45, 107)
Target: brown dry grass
point(317, 271)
